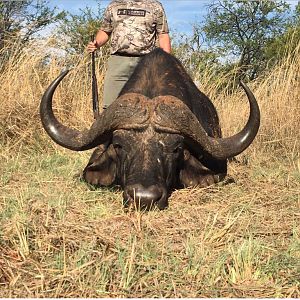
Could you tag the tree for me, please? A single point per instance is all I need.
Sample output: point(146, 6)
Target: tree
point(191, 52)
point(23, 19)
point(241, 30)
point(77, 30)
point(286, 44)
point(296, 16)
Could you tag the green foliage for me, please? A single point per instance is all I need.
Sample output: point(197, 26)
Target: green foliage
point(297, 14)
point(285, 44)
point(237, 34)
point(239, 39)
point(21, 21)
point(282, 46)
point(77, 30)
point(192, 54)
point(241, 30)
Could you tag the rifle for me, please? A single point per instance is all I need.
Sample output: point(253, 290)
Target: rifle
point(94, 87)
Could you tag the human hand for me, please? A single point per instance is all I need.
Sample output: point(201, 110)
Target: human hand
point(91, 47)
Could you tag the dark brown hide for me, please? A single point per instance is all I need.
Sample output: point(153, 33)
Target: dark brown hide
point(161, 133)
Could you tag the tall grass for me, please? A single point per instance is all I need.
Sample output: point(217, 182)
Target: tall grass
point(278, 96)
point(24, 80)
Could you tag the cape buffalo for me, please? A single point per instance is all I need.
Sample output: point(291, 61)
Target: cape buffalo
point(160, 134)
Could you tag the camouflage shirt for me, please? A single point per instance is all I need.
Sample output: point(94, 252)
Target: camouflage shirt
point(134, 25)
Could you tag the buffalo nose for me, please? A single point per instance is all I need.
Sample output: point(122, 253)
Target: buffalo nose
point(145, 197)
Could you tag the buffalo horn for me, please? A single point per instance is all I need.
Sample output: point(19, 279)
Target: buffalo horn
point(174, 116)
point(126, 112)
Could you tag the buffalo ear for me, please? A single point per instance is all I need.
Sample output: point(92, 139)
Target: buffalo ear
point(101, 168)
point(194, 173)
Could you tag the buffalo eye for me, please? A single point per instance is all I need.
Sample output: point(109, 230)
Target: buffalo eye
point(118, 147)
point(178, 149)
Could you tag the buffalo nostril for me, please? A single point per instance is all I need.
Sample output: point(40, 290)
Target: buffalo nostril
point(148, 194)
point(144, 197)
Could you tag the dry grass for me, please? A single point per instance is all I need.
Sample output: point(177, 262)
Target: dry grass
point(278, 97)
point(25, 79)
point(60, 239)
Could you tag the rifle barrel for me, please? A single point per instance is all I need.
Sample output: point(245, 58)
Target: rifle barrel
point(94, 88)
